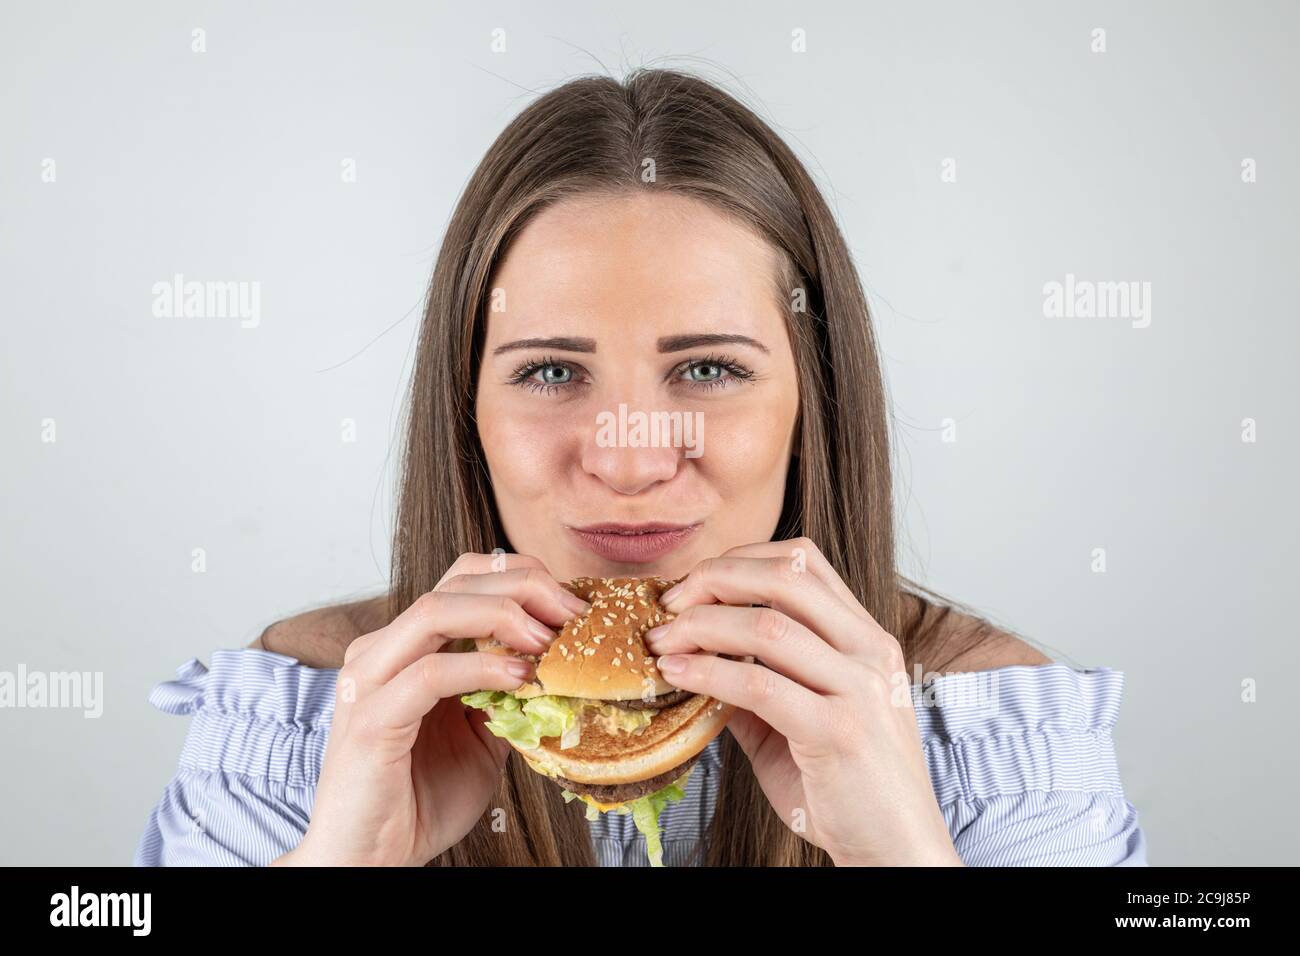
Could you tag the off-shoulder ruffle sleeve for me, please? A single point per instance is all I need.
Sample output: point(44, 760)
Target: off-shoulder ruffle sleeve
point(243, 792)
point(1021, 760)
point(1023, 764)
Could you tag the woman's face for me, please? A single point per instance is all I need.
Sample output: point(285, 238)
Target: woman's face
point(637, 399)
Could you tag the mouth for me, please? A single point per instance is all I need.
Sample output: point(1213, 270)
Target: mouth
point(633, 543)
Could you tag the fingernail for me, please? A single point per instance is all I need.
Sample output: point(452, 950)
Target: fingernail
point(575, 604)
point(543, 634)
point(672, 664)
point(671, 594)
point(519, 668)
point(655, 633)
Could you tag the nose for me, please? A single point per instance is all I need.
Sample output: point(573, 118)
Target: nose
point(626, 451)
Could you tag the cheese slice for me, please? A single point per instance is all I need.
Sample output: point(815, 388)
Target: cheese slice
point(593, 802)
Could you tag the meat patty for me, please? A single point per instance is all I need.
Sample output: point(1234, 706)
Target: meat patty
point(621, 792)
point(655, 703)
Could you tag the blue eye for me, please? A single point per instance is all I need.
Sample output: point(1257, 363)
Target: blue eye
point(554, 374)
point(714, 371)
point(543, 376)
point(550, 377)
point(708, 373)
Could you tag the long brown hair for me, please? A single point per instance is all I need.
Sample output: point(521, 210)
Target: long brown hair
point(596, 134)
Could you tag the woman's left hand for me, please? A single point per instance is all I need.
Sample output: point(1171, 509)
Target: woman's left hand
point(835, 749)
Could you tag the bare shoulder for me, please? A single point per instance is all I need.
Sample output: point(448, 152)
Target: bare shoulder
point(949, 639)
point(319, 637)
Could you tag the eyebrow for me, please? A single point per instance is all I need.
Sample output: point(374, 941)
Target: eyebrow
point(561, 342)
point(668, 343)
point(678, 343)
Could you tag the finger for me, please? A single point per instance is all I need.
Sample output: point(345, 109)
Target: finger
point(790, 708)
point(536, 591)
point(534, 596)
point(497, 746)
point(533, 588)
point(475, 563)
point(442, 616)
point(416, 690)
point(803, 553)
point(751, 731)
point(781, 643)
point(772, 582)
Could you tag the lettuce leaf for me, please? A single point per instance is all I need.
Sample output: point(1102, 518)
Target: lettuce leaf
point(480, 699)
point(592, 812)
point(524, 723)
point(645, 814)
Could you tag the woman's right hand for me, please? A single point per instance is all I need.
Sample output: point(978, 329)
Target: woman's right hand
point(408, 769)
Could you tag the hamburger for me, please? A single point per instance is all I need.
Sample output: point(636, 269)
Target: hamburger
point(599, 718)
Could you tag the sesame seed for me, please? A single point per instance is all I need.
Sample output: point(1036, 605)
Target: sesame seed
point(617, 661)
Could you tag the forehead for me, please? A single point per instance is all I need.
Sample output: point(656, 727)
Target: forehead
point(657, 261)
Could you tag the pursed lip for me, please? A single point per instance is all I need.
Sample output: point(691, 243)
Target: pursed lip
point(617, 527)
point(629, 543)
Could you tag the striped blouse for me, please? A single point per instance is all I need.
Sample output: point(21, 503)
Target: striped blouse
point(1021, 760)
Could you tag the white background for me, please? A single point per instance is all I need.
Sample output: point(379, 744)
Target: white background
point(1072, 434)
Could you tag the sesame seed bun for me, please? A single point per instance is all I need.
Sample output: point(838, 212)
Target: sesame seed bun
point(601, 655)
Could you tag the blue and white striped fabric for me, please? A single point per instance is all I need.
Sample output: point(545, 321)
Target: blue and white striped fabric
point(1021, 760)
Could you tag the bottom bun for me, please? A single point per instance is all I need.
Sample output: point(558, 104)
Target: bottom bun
point(674, 737)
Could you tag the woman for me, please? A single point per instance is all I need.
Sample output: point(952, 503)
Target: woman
point(653, 245)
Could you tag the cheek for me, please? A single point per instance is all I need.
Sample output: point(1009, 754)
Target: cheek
point(525, 449)
point(747, 448)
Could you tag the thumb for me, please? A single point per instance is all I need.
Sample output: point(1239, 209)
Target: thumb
point(496, 746)
point(750, 730)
